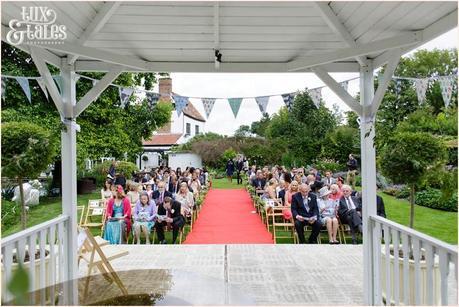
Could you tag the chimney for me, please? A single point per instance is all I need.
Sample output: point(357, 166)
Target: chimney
point(165, 95)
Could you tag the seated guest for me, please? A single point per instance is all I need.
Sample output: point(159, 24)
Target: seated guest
point(348, 212)
point(106, 192)
point(133, 193)
point(169, 212)
point(270, 197)
point(328, 209)
point(280, 190)
point(328, 180)
point(174, 185)
point(313, 183)
point(120, 180)
point(336, 193)
point(305, 212)
point(292, 189)
point(118, 220)
point(185, 198)
point(194, 184)
point(259, 182)
point(159, 195)
point(149, 189)
point(144, 212)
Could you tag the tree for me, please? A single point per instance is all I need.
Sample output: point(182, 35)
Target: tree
point(27, 149)
point(407, 157)
point(339, 143)
point(242, 131)
point(259, 127)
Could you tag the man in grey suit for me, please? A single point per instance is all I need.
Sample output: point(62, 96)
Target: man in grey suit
point(350, 211)
point(328, 179)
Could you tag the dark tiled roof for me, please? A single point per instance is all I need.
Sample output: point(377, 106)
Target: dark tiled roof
point(191, 111)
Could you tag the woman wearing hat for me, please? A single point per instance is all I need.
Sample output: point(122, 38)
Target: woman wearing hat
point(328, 210)
point(118, 223)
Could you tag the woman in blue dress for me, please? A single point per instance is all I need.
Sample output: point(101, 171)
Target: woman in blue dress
point(328, 209)
point(118, 223)
point(144, 213)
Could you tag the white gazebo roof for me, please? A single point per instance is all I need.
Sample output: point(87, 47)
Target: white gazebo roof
point(252, 36)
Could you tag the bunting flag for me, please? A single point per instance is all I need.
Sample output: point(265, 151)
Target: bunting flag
point(152, 98)
point(3, 87)
point(235, 104)
point(288, 100)
point(421, 88)
point(345, 85)
point(42, 85)
point(316, 96)
point(262, 102)
point(24, 83)
point(125, 93)
point(58, 80)
point(180, 103)
point(446, 86)
point(208, 104)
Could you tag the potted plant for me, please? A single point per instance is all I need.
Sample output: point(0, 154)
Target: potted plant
point(407, 158)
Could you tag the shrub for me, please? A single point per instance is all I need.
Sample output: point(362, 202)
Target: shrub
point(433, 198)
point(11, 213)
point(404, 192)
point(100, 170)
point(328, 164)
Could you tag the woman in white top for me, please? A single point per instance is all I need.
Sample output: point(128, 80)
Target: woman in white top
point(185, 197)
point(328, 209)
point(133, 194)
point(195, 185)
point(106, 192)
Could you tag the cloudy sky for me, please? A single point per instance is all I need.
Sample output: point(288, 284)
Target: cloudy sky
point(227, 85)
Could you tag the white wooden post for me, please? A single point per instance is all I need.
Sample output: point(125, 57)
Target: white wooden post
point(69, 179)
point(368, 173)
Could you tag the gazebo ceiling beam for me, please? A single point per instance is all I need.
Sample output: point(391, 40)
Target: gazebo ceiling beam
point(335, 24)
point(434, 30)
point(96, 24)
point(338, 90)
point(100, 86)
point(346, 53)
point(242, 67)
point(382, 86)
point(97, 54)
point(38, 58)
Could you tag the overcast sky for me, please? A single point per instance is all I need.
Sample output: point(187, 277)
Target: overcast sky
point(229, 85)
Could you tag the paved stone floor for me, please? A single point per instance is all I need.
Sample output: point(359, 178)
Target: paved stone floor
point(240, 274)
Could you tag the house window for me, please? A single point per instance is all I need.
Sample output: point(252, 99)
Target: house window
point(196, 129)
point(188, 129)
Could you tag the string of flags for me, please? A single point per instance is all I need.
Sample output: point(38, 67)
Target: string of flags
point(447, 86)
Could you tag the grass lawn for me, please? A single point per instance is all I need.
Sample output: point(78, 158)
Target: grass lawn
point(223, 183)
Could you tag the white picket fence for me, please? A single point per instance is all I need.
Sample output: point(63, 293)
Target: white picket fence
point(419, 273)
point(48, 272)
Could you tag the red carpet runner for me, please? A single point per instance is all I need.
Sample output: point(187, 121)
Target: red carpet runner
point(226, 217)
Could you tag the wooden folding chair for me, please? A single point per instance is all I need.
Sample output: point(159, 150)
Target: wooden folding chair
point(81, 211)
point(277, 214)
point(98, 257)
point(96, 210)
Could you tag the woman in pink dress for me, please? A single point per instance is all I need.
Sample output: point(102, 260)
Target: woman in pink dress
point(336, 193)
point(293, 188)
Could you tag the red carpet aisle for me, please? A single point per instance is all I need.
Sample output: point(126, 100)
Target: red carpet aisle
point(226, 217)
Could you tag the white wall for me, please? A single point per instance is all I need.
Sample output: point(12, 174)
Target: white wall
point(183, 160)
point(193, 123)
point(153, 160)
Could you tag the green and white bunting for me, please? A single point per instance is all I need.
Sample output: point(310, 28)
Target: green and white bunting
point(24, 83)
point(235, 104)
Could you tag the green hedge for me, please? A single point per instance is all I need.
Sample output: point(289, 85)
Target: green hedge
point(432, 198)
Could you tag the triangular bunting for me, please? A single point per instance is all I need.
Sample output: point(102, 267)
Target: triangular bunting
point(24, 83)
point(262, 102)
point(316, 96)
point(125, 93)
point(235, 104)
point(288, 100)
point(58, 80)
point(42, 85)
point(208, 104)
point(3, 87)
point(421, 88)
point(446, 86)
point(152, 98)
point(180, 103)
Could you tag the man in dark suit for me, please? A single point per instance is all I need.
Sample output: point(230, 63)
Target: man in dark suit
point(173, 185)
point(171, 211)
point(259, 182)
point(160, 194)
point(239, 166)
point(380, 210)
point(306, 212)
point(350, 211)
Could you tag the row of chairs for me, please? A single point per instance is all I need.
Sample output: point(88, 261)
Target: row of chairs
point(281, 228)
